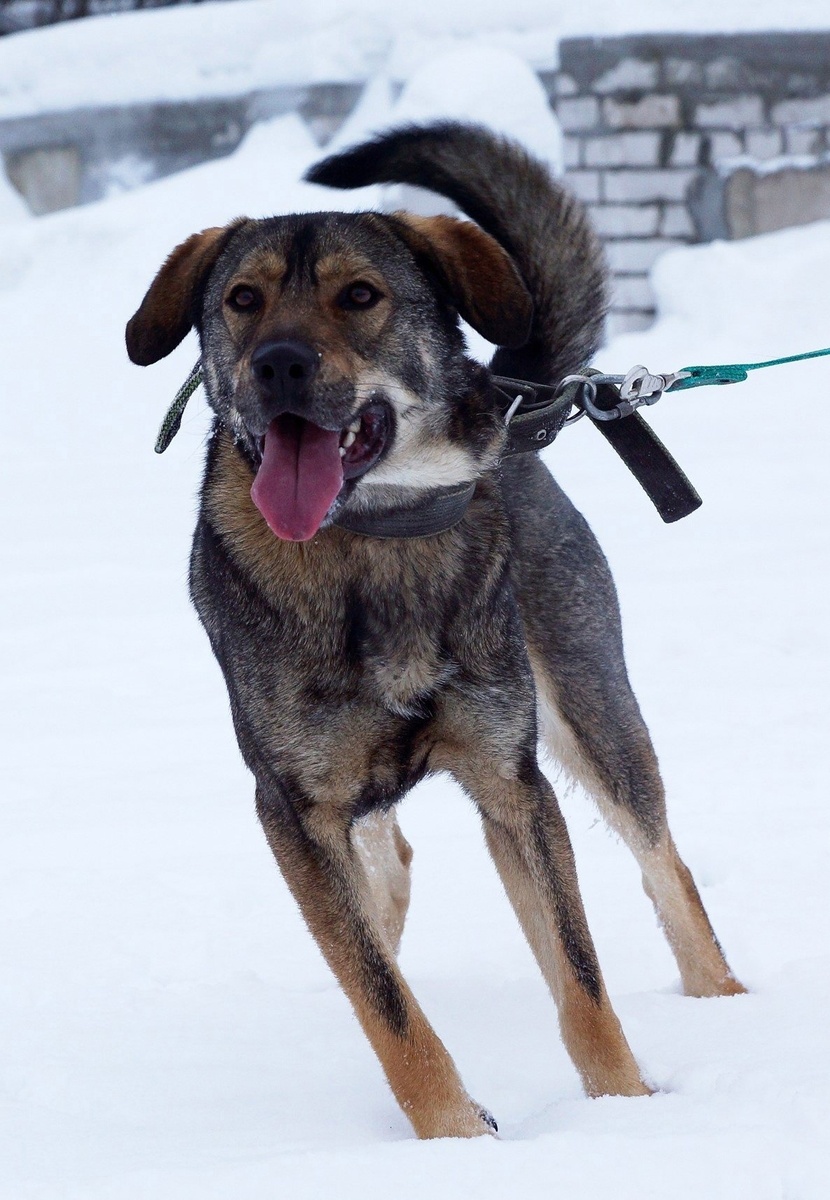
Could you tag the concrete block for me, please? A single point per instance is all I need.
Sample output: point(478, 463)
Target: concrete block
point(685, 151)
point(572, 152)
point(565, 85)
point(760, 202)
point(638, 254)
point(676, 222)
point(724, 74)
point(629, 75)
point(100, 8)
point(803, 141)
point(48, 178)
point(631, 291)
point(802, 112)
point(724, 145)
point(585, 185)
point(623, 150)
point(763, 144)
point(652, 112)
point(682, 72)
point(579, 114)
point(626, 220)
point(741, 112)
point(646, 185)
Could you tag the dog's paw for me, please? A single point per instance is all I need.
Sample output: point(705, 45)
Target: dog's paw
point(488, 1119)
point(467, 1120)
point(709, 986)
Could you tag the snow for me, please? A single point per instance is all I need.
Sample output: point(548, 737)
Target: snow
point(225, 49)
point(170, 1031)
point(458, 85)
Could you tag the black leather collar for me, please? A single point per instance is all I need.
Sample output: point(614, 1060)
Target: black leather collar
point(435, 512)
point(534, 414)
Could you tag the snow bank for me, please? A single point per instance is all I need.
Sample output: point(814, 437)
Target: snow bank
point(493, 87)
point(169, 1029)
point(222, 49)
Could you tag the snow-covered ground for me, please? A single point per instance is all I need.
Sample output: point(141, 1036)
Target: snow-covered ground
point(229, 48)
point(169, 1029)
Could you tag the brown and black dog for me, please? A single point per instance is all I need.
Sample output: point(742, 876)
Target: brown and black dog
point(358, 663)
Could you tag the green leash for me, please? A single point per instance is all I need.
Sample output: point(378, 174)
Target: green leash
point(691, 377)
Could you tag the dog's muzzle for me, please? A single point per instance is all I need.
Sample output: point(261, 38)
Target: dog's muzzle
point(283, 371)
point(304, 464)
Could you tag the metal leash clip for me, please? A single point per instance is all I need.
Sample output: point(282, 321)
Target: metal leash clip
point(641, 387)
point(636, 388)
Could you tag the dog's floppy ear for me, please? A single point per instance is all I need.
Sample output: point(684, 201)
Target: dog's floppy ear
point(479, 275)
point(166, 312)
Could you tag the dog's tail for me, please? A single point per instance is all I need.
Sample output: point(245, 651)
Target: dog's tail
point(513, 198)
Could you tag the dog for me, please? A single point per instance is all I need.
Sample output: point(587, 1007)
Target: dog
point(369, 634)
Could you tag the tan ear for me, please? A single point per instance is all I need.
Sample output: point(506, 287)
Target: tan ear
point(481, 277)
point(166, 312)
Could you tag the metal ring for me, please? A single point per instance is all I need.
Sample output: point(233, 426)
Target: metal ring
point(572, 379)
point(508, 416)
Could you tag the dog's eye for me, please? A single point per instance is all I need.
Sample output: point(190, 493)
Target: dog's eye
point(244, 299)
point(359, 295)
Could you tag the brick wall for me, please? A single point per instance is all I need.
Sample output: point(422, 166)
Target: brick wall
point(648, 120)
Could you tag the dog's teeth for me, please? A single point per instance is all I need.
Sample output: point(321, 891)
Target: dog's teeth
point(348, 439)
point(354, 427)
point(342, 451)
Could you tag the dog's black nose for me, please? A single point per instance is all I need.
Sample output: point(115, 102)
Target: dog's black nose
point(284, 369)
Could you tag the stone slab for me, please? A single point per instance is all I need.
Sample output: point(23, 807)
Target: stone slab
point(762, 202)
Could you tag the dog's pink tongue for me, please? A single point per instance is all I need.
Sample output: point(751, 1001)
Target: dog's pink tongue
point(300, 475)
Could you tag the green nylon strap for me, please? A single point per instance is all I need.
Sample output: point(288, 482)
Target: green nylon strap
point(173, 419)
point(733, 373)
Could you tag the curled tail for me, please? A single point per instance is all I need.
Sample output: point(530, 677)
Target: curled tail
point(513, 198)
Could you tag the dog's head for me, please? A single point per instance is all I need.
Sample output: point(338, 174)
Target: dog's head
point(331, 351)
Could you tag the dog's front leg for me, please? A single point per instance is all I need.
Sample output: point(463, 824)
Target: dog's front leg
point(324, 872)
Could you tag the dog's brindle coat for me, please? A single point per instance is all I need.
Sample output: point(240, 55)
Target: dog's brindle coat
point(357, 665)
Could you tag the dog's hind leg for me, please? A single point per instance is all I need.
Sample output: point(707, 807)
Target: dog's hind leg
point(315, 850)
point(588, 716)
point(492, 754)
point(386, 856)
point(529, 843)
point(596, 731)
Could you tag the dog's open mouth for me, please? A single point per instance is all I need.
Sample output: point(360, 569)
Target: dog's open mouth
point(304, 466)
